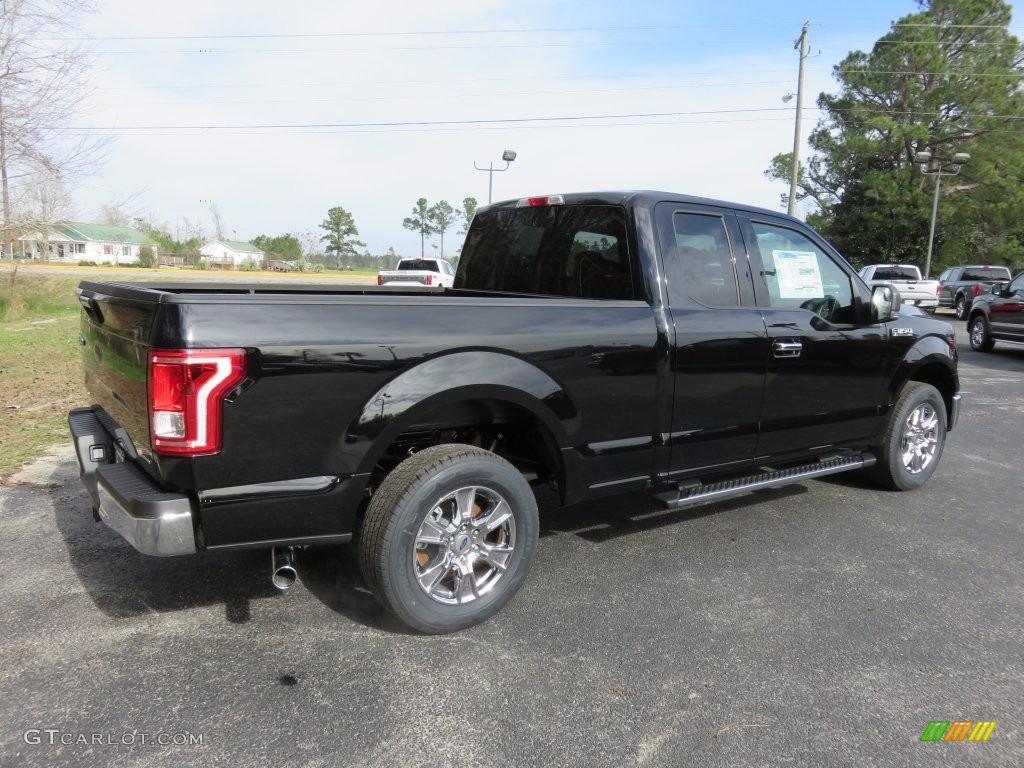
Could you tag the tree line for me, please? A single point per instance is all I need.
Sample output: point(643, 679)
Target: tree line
point(338, 246)
point(945, 80)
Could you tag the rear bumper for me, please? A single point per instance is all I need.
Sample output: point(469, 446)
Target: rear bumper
point(127, 499)
point(918, 301)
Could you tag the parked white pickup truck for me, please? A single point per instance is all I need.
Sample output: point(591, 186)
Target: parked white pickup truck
point(908, 281)
point(419, 271)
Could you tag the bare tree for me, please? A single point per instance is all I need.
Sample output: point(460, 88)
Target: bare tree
point(121, 211)
point(42, 81)
point(43, 203)
point(218, 222)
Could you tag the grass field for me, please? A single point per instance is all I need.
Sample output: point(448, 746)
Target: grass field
point(40, 372)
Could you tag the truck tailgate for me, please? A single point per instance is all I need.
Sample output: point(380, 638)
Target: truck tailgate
point(115, 334)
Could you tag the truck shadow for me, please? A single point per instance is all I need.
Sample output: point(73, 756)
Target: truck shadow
point(608, 519)
point(124, 583)
point(332, 576)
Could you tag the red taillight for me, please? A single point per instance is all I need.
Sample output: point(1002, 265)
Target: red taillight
point(430, 280)
point(186, 392)
point(938, 288)
point(976, 289)
point(380, 280)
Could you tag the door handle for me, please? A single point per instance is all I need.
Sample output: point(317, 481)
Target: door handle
point(787, 348)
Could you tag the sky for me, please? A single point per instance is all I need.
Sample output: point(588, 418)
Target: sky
point(277, 112)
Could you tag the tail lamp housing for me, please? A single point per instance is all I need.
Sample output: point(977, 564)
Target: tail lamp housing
point(187, 388)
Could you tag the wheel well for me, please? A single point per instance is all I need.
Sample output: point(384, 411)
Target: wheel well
point(940, 377)
point(504, 428)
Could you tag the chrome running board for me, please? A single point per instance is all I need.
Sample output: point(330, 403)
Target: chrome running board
point(694, 494)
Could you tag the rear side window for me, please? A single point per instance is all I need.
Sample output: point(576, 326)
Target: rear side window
point(557, 250)
point(700, 265)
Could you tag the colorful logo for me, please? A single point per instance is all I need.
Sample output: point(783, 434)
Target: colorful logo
point(958, 730)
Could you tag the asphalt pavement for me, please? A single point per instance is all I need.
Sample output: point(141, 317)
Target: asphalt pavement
point(827, 623)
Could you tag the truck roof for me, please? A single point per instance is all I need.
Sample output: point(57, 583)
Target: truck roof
point(635, 197)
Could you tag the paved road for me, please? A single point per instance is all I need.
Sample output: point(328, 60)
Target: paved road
point(822, 624)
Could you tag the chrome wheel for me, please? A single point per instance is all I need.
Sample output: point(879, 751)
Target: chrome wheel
point(920, 439)
point(464, 545)
point(977, 334)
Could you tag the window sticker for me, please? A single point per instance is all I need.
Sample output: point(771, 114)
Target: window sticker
point(798, 275)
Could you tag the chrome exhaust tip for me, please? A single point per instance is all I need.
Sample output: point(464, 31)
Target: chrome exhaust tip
point(283, 569)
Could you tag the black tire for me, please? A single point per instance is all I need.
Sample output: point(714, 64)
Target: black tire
point(978, 333)
point(961, 307)
point(914, 439)
point(462, 489)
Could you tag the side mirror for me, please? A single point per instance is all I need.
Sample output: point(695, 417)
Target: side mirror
point(998, 288)
point(885, 303)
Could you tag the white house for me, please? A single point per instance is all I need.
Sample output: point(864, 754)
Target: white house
point(230, 253)
point(74, 241)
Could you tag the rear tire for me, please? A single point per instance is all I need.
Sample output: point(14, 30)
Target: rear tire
point(980, 336)
point(449, 537)
point(961, 307)
point(914, 438)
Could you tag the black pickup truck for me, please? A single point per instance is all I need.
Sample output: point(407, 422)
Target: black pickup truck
point(959, 286)
point(604, 343)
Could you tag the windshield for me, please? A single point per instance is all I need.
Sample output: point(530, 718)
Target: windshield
point(896, 273)
point(986, 273)
point(427, 265)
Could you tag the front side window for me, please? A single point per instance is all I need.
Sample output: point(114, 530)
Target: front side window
point(554, 250)
point(800, 275)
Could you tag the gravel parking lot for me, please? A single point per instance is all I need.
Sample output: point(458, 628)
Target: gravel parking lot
point(821, 624)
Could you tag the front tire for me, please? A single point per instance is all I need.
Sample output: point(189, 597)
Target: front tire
point(981, 337)
point(914, 438)
point(448, 537)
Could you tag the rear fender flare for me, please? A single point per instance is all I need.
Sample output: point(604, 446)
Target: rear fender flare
point(453, 378)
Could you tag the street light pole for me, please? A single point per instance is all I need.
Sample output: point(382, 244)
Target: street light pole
point(801, 45)
point(508, 156)
point(932, 165)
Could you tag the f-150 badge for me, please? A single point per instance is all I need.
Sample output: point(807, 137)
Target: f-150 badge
point(901, 331)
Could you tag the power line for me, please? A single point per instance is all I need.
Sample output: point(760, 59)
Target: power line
point(403, 123)
point(435, 97)
point(501, 31)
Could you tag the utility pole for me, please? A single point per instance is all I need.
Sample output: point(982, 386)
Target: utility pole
point(800, 45)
